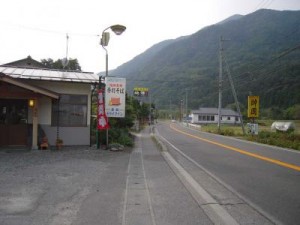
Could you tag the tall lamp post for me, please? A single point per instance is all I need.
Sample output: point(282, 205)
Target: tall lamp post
point(118, 30)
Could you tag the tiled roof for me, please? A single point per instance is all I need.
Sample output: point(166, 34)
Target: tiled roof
point(50, 75)
point(214, 111)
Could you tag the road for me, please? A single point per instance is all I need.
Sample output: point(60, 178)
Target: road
point(264, 178)
point(172, 176)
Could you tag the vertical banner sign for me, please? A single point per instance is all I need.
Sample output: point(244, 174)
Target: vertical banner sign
point(115, 90)
point(253, 106)
point(102, 123)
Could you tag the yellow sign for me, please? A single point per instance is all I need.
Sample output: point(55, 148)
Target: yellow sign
point(140, 91)
point(253, 106)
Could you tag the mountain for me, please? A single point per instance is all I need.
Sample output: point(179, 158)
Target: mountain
point(261, 52)
point(231, 18)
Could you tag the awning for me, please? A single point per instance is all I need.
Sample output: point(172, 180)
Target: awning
point(35, 89)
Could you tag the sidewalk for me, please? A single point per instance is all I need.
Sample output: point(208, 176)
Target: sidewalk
point(155, 190)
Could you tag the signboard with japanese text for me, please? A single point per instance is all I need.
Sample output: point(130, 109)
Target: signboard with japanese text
point(253, 106)
point(102, 122)
point(115, 96)
point(140, 92)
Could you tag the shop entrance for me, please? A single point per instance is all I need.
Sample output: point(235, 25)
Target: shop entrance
point(13, 122)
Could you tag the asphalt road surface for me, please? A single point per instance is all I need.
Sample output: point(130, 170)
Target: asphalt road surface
point(265, 178)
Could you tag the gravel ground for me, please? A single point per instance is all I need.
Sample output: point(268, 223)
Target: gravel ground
point(51, 187)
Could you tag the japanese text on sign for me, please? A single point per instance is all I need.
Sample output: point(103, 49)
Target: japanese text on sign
point(102, 122)
point(140, 91)
point(253, 106)
point(115, 97)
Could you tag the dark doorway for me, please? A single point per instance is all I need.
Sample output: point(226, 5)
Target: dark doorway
point(13, 122)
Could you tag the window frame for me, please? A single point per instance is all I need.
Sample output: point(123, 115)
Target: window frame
point(71, 106)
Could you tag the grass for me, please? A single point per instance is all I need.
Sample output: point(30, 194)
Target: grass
point(285, 140)
point(265, 134)
point(227, 130)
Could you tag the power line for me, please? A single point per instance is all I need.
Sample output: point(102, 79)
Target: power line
point(38, 29)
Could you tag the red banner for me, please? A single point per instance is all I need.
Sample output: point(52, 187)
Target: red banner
point(102, 122)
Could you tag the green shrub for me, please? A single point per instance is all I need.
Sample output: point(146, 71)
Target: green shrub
point(228, 132)
point(126, 140)
point(121, 136)
point(281, 139)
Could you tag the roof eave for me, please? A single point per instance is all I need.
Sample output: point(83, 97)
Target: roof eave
point(35, 89)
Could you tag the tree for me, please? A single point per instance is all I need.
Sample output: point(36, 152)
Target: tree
point(292, 113)
point(62, 64)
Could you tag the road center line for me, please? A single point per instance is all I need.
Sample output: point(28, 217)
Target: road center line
point(274, 161)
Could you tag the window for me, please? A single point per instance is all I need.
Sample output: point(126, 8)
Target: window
point(70, 111)
point(206, 118)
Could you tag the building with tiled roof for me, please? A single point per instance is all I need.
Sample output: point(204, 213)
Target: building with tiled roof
point(211, 115)
point(36, 102)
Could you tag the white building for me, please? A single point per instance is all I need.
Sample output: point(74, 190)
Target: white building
point(210, 116)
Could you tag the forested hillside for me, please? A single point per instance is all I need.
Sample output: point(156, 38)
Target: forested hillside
point(262, 53)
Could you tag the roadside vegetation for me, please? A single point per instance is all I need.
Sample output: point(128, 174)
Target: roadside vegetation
point(136, 117)
point(265, 135)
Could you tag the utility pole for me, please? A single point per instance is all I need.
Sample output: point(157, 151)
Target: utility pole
point(150, 109)
point(65, 61)
point(186, 106)
point(220, 81)
point(170, 110)
point(181, 110)
point(235, 96)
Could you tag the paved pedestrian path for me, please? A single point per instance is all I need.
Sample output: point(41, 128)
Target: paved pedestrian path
point(137, 205)
point(154, 195)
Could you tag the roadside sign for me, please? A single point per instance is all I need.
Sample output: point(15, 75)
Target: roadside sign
point(115, 90)
point(140, 92)
point(253, 106)
point(102, 123)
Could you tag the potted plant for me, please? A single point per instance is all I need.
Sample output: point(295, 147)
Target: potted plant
point(59, 143)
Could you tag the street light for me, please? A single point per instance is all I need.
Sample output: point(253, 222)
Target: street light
point(118, 30)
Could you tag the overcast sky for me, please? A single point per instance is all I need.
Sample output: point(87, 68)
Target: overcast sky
point(38, 27)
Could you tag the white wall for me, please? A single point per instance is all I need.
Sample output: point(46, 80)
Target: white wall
point(44, 103)
point(225, 119)
point(70, 135)
point(194, 118)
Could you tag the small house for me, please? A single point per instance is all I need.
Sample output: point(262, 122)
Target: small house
point(211, 116)
point(37, 102)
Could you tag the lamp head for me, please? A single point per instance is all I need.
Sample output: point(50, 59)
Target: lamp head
point(31, 103)
point(118, 29)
